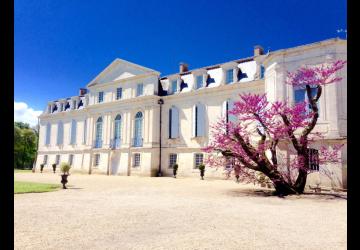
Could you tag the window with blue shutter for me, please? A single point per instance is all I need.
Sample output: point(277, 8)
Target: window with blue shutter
point(60, 134)
point(118, 93)
point(229, 76)
point(139, 89)
point(48, 131)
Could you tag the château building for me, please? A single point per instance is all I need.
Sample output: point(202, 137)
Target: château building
point(130, 120)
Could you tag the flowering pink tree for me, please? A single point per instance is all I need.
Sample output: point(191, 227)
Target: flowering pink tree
point(251, 141)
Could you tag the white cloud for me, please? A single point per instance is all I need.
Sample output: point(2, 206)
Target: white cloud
point(23, 113)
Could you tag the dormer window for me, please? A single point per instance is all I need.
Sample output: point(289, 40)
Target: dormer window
point(139, 89)
point(67, 106)
point(229, 76)
point(174, 86)
point(199, 82)
point(101, 97)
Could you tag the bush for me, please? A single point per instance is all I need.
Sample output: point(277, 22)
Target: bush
point(65, 168)
point(175, 168)
point(201, 167)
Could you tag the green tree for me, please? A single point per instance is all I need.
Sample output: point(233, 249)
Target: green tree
point(25, 145)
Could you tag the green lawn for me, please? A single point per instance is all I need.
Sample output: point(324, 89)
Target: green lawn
point(21, 187)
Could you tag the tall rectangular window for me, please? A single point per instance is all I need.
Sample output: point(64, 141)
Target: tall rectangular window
point(139, 89)
point(85, 131)
point(73, 133)
point(313, 159)
point(45, 159)
point(199, 82)
point(57, 159)
point(101, 97)
point(97, 160)
point(198, 159)
point(118, 93)
point(229, 76)
point(172, 160)
point(71, 159)
point(174, 86)
point(137, 160)
point(48, 131)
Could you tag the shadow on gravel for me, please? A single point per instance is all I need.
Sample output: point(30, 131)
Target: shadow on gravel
point(270, 193)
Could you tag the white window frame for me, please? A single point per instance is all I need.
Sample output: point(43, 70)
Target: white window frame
point(57, 159)
point(100, 94)
point(118, 90)
point(71, 159)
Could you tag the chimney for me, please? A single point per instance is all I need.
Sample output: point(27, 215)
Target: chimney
point(258, 50)
point(183, 67)
point(82, 91)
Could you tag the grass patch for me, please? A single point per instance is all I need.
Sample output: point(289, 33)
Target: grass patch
point(21, 187)
point(22, 171)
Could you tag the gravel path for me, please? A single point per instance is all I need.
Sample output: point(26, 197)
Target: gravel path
point(114, 212)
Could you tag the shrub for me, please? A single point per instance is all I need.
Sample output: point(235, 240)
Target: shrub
point(175, 168)
point(65, 168)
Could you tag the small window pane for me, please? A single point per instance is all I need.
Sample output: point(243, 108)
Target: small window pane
point(172, 160)
point(97, 160)
point(198, 160)
point(45, 159)
point(136, 160)
point(101, 97)
point(118, 93)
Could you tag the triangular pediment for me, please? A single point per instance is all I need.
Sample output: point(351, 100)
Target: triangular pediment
point(118, 70)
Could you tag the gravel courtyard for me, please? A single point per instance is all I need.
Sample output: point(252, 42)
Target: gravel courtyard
point(113, 212)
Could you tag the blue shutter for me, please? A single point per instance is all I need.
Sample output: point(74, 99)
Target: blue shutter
point(174, 122)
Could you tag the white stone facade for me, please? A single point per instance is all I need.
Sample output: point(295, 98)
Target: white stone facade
point(118, 145)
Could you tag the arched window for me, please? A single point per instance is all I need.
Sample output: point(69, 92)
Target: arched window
point(73, 132)
point(98, 133)
point(47, 136)
point(60, 133)
point(117, 131)
point(173, 122)
point(199, 120)
point(138, 130)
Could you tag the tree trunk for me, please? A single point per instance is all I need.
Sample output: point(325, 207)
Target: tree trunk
point(282, 187)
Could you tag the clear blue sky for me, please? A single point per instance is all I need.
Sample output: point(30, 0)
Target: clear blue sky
point(61, 45)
